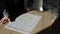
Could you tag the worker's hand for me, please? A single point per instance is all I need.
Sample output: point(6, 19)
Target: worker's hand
point(28, 9)
point(4, 20)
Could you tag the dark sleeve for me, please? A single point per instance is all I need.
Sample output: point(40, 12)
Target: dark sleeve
point(29, 3)
point(2, 4)
point(1, 14)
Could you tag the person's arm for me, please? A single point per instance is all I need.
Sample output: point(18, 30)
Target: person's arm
point(29, 4)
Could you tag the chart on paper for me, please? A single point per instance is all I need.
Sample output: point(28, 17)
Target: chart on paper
point(24, 23)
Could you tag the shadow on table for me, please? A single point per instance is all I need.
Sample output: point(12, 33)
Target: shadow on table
point(53, 29)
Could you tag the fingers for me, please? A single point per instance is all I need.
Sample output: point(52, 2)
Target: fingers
point(4, 20)
point(1, 21)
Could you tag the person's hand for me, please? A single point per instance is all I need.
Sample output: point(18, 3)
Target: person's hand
point(28, 9)
point(4, 20)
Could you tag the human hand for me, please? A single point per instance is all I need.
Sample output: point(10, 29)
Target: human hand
point(4, 20)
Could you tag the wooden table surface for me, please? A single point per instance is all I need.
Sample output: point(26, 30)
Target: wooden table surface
point(43, 23)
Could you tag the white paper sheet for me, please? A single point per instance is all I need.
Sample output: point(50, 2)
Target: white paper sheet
point(24, 23)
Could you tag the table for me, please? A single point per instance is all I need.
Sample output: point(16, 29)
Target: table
point(43, 23)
